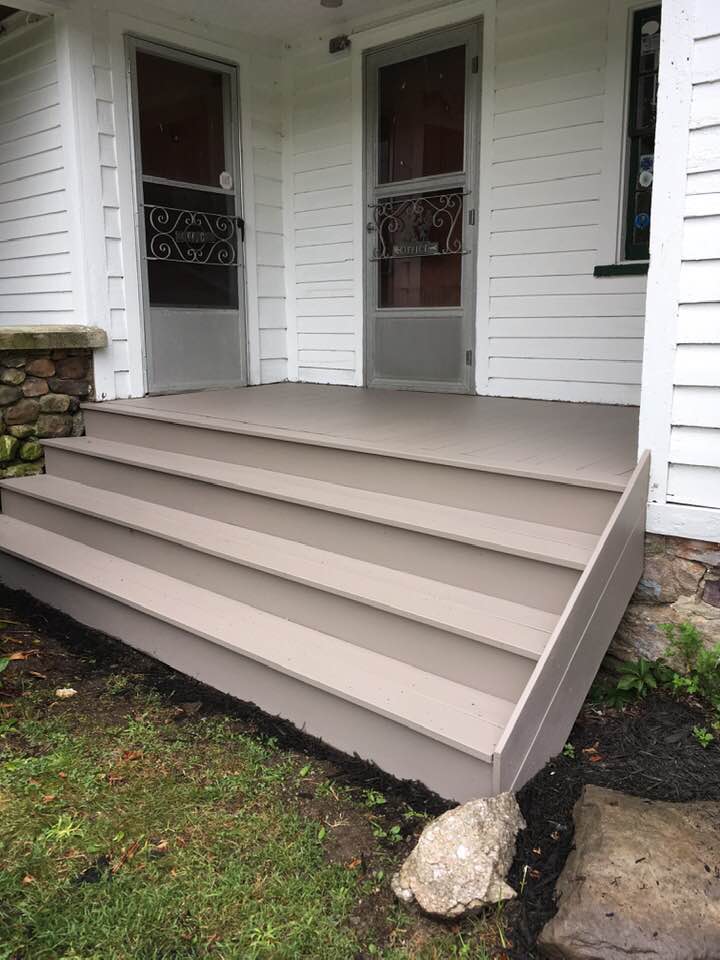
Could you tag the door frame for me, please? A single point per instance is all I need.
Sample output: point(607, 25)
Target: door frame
point(132, 43)
point(471, 33)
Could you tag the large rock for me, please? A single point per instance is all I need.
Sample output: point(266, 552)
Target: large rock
point(24, 411)
point(55, 403)
point(41, 367)
point(642, 881)
point(76, 388)
point(54, 425)
point(462, 859)
point(34, 387)
point(680, 582)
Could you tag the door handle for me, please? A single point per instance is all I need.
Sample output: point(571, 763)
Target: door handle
point(370, 227)
point(241, 227)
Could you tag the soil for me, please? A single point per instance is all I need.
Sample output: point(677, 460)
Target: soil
point(646, 749)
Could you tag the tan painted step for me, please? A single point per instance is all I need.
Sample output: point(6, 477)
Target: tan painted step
point(417, 724)
point(522, 538)
point(534, 564)
point(511, 493)
point(484, 641)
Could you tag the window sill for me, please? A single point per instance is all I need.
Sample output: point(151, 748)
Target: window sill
point(638, 269)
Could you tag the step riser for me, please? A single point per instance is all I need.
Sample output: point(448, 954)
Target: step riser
point(540, 585)
point(344, 725)
point(575, 508)
point(434, 650)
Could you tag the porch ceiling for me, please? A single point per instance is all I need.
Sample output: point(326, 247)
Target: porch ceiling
point(287, 19)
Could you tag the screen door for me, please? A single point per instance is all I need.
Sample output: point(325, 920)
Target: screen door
point(189, 218)
point(421, 137)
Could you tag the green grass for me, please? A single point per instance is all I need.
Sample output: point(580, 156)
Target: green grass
point(126, 834)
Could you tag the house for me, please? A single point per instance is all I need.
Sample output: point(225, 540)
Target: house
point(392, 328)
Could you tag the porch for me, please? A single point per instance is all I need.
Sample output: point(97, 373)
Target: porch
point(587, 444)
point(430, 581)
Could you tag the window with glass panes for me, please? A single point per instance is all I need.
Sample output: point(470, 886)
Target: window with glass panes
point(642, 110)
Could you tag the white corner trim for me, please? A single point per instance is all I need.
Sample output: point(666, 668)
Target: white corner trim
point(484, 205)
point(78, 113)
point(247, 194)
point(288, 215)
point(670, 177)
point(401, 29)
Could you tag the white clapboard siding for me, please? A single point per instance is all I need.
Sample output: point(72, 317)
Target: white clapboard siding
point(35, 272)
point(321, 162)
point(694, 460)
point(556, 331)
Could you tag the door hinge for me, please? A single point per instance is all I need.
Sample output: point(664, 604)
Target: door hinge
point(468, 358)
point(471, 218)
point(475, 64)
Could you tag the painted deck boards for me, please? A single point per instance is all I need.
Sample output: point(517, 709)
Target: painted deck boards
point(589, 444)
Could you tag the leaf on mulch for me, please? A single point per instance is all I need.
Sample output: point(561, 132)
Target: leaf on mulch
point(64, 693)
point(130, 755)
point(22, 654)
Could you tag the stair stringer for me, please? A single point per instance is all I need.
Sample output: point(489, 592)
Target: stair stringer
point(544, 715)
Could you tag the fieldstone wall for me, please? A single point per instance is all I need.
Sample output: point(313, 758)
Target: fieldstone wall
point(681, 582)
point(40, 394)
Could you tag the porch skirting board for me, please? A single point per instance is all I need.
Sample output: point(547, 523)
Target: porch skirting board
point(440, 617)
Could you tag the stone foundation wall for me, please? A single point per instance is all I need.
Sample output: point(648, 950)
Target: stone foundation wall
point(40, 394)
point(681, 582)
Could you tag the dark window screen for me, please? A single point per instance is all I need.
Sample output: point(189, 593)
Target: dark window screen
point(182, 120)
point(422, 116)
point(175, 281)
point(642, 110)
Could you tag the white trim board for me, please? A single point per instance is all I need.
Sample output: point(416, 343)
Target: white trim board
point(663, 291)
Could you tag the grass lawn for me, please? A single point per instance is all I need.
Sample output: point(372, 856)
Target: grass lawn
point(139, 824)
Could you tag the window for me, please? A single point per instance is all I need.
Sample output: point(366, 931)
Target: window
point(641, 113)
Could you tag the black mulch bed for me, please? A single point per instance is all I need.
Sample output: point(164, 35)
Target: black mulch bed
point(646, 750)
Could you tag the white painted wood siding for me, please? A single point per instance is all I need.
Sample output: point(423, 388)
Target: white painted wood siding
point(555, 331)
point(35, 270)
point(262, 116)
point(323, 226)
point(694, 461)
point(550, 329)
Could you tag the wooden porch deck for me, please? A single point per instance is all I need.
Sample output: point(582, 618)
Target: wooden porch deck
point(429, 581)
point(590, 444)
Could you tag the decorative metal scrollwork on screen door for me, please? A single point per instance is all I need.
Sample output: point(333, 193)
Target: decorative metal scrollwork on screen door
point(191, 236)
point(418, 226)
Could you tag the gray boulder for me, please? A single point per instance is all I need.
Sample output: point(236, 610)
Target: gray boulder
point(642, 881)
point(461, 860)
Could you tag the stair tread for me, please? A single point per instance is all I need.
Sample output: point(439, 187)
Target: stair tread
point(511, 626)
point(366, 445)
point(568, 548)
point(459, 716)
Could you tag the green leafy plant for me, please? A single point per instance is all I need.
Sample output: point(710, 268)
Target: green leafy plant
point(569, 751)
point(703, 737)
point(700, 675)
point(638, 676)
point(373, 798)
